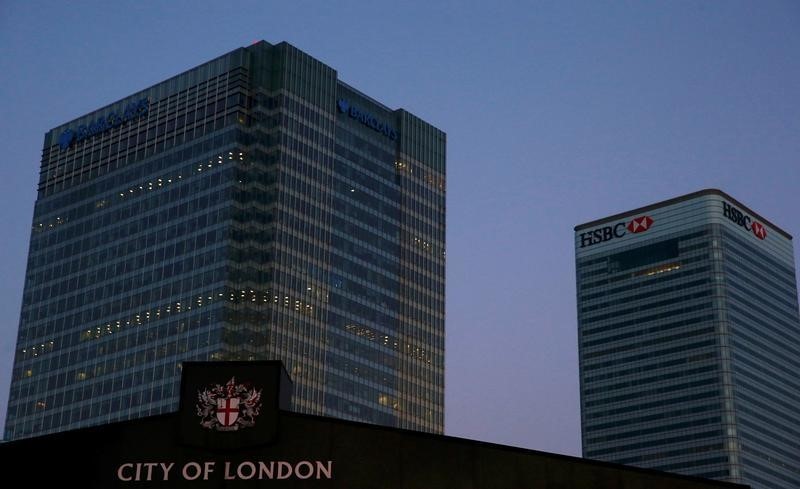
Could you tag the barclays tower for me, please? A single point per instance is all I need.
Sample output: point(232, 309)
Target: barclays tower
point(254, 207)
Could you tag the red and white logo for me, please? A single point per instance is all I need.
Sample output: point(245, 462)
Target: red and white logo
point(759, 230)
point(640, 224)
point(605, 233)
point(741, 219)
point(228, 408)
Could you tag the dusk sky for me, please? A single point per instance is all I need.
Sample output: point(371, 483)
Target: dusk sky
point(556, 113)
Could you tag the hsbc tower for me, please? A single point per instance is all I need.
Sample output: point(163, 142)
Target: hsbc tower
point(689, 341)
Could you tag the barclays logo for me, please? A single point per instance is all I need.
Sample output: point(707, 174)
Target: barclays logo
point(66, 138)
point(367, 119)
point(133, 110)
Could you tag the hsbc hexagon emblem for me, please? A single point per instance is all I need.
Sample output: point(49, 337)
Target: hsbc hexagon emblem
point(759, 230)
point(640, 224)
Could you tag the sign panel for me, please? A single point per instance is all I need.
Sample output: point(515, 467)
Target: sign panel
point(744, 220)
point(133, 111)
point(602, 234)
point(367, 119)
point(232, 404)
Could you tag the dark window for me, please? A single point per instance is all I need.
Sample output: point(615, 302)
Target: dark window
point(644, 255)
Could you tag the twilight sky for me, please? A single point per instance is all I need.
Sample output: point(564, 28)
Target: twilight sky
point(556, 113)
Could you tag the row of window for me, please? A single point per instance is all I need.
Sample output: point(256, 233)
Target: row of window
point(783, 396)
point(618, 325)
point(121, 227)
point(349, 258)
point(107, 265)
point(696, 437)
point(662, 403)
point(98, 212)
point(683, 452)
point(386, 335)
point(667, 428)
point(785, 298)
point(777, 409)
point(777, 352)
point(123, 275)
point(777, 437)
point(603, 283)
point(684, 465)
point(659, 417)
point(83, 410)
point(680, 300)
point(107, 375)
point(96, 164)
point(780, 323)
point(663, 291)
point(636, 285)
point(705, 331)
point(355, 172)
point(647, 331)
point(658, 391)
point(685, 350)
point(757, 473)
point(788, 463)
point(208, 109)
point(68, 328)
point(415, 214)
point(166, 166)
point(644, 368)
point(778, 270)
point(640, 381)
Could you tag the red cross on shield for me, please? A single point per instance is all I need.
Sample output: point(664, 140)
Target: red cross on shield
point(228, 410)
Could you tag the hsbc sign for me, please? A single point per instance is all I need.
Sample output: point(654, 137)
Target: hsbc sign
point(636, 225)
point(743, 220)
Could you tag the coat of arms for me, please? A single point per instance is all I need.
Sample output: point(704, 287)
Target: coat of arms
point(228, 408)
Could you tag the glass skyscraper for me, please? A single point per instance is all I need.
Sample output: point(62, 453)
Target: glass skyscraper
point(254, 207)
point(690, 341)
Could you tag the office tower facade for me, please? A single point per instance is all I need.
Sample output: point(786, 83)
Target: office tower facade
point(689, 341)
point(254, 207)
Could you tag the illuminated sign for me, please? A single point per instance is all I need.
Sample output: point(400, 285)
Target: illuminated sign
point(210, 470)
point(743, 220)
point(605, 233)
point(367, 119)
point(133, 110)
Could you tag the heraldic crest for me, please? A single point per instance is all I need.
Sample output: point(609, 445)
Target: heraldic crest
point(228, 407)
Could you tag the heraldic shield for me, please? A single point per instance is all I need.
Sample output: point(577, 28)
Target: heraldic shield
point(228, 410)
point(232, 404)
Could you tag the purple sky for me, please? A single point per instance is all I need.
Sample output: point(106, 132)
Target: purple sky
point(556, 113)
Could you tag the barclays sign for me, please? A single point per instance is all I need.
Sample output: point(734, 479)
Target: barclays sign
point(133, 111)
point(367, 119)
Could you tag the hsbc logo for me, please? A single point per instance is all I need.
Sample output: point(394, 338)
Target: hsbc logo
point(640, 224)
point(759, 230)
point(743, 220)
point(600, 235)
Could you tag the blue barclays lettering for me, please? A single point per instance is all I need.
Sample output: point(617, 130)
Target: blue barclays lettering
point(132, 111)
point(367, 119)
